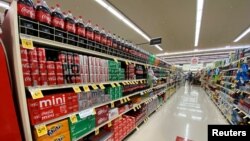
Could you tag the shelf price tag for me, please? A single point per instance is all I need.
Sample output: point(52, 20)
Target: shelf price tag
point(76, 89)
point(126, 62)
point(94, 112)
point(96, 131)
point(112, 104)
point(124, 83)
point(141, 81)
point(136, 82)
point(41, 130)
point(109, 124)
point(115, 59)
point(113, 85)
point(117, 84)
point(36, 94)
point(101, 86)
point(128, 98)
point(86, 88)
point(73, 118)
point(121, 100)
point(94, 86)
point(125, 100)
point(27, 43)
point(137, 129)
point(134, 108)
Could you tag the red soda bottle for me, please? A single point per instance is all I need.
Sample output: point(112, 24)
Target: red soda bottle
point(26, 9)
point(114, 40)
point(97, 35)
point(109, 39)
point(80, 27)
point(89, 31)
point(43, 13)
point(103, 37)
point(57, 17)
point(69, 22)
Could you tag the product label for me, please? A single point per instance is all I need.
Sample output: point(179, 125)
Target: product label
point(57, 22)
point(73, 118)
point(81, 31)
point(26, 11)
point(41, 130)
point(70, 27)
point(43, 17)
point(86, 88)
point(77, 89)
point(27, 43)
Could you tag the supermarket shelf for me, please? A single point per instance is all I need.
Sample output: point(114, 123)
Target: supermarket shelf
point(246, 92)
point(98, 127)
point(224, 88)
point(241, 111)
point(230, 69)
point(228, 82)
point(211, 85)
point(64, 46)
point(98, 105)
point(229, 76)
point(72, 85)
point(162, 77)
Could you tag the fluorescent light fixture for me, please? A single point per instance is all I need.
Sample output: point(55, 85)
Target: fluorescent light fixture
point(198, 55)
point(206, 50)
point(119, 15)
point(4, 5)
point(242, 35)
point(195, 50)
point(196, 118)
point(199, 10)
point(182, 115)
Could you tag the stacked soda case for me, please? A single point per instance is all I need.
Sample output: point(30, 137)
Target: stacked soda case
point(128, 89)
point(139, 115)
point(63, 27)
point(102, 114)
point(244, 104)
point(56, 131)
point(115, 71)
point(130, 71)
point(152, 106)
point(121, 127)
point(92, 98)
point(51, 106)
point(82, 126)
point(114, 92)
point(98, 70)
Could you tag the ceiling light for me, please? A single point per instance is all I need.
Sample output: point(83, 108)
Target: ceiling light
point(195, 50)
point(199, 10)
point(242, 35)
point(4, 5)
point(206, 50)
point(123, 18)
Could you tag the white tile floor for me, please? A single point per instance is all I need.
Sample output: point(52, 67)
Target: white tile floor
point(186, 114)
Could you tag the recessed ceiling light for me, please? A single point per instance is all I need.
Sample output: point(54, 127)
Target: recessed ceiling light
point(124, 19)
point(242, 35)
point(199, 9)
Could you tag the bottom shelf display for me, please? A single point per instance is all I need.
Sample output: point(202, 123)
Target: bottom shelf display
point(108, 122)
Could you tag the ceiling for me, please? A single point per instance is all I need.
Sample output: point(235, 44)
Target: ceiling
point(173, 20)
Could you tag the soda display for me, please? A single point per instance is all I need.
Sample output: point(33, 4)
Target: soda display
point(26, 9)
point(89, 31)
point(57, 17)
point(69, 22)
point(43, 13)
point(80, 27)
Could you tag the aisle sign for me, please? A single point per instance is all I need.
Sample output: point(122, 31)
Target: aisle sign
point(41, 130)
point(36, 94)
point(86, 88)
point(76, 89)
point(73, 118)
point(27, 43)
point(101, 86)
point(94, 86)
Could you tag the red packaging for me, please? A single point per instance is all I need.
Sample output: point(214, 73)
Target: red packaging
point(73, 79)
point(69, 22)
point(63, 56)
point(50, 107)
point(101, 119)
point(103, 110)
point(26, 10)
point(43, 79)
point(76, 58)
point(32, 55)
point(42, 67)
point(25, 66)
point(58, 68)
point(43, 17)
point(50, 67)
point(41, 56)
point(80, 27)
point(59, 79)
point(75, 69)
point(35, 79)
point(51, 79)
point(27, 79)
point(70, 58)
point(78, 79)
point(24, 54)
point(34, 68)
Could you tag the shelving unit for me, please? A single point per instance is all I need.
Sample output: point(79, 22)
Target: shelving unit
point(12, 37)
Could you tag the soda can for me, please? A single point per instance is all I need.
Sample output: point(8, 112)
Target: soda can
point(59, 79)
point(76, 58)
point(70, 58)
point(43, 79)
point(65, 67)
point(62, 56)
point(41, 54)
point(78, 79)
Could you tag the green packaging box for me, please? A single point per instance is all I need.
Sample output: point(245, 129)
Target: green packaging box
point(81, 127)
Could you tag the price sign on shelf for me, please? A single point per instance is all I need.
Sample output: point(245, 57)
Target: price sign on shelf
point(96, 131)
point(112, 104)
point(125, 100)
point(41, 130)
point(128, 98)
point(117, 84)
point(101, 86)
point(94, 86)
point(76, 89)
point(110, 124)
point(126, 62)
point(36, 94)
point(86, 88)
point(113, 85)
point(121, 100)
point(27, 43)
point(73, 118)
point(124, 83)
point(115, 59)
point(141, 81)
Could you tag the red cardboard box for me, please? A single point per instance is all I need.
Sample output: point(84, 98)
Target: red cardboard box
point(58, 68)
point(50, 67)
point(51, 107)
point(51, 79)
point(59, 79)
point(34, 67)
point(42, 67)
point(32, 55)
point(26, 66)
point(27, 79)
point(43, 79)
point(24, 54)
point(41, 56)
point(101, 119)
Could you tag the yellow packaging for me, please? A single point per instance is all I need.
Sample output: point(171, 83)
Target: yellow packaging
point(65, 136)
point(54, 129)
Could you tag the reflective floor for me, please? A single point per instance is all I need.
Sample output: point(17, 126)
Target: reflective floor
point(186, 114)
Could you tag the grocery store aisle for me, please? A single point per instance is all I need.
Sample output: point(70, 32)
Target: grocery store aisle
point(186, 114)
